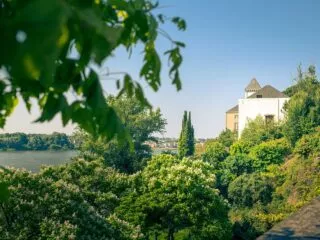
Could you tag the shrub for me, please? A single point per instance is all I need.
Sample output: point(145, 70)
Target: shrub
point(227, 137)
point(258, 131)
point(214, 154)
point(271, 152)
point(239, 164)
point(308, 144)
point(248, 189)
point(240, 147)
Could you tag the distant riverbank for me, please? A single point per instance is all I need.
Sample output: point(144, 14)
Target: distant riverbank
point(161, 150)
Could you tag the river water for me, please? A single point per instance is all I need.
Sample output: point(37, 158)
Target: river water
point(33, 160)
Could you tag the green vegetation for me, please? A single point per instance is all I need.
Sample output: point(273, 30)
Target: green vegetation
point(141, 122)
point(234, 189)
point(175, 195)
point(303, 109)
point(85, 200)
point(227, 137)
point(115, 189)
point(186, 144)
point(35, 142)
point(77, 37)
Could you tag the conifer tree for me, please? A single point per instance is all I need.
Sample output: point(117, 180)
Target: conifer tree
point(186, 141)
point(190, 137)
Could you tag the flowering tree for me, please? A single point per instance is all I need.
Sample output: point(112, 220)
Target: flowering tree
point(175, 195)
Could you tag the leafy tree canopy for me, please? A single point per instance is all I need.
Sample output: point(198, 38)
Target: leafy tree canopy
point(141, 122)
point(248, 189)
point(215, 153)
point(303, 109)
point(257, 131)
point(49, 48)
point(172, 195)
point(74, 201)
point(270, 152)
point(227, 137)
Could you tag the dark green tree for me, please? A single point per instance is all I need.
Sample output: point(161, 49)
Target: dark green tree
point(249, 189)
point(186, 144)
point(191, 140)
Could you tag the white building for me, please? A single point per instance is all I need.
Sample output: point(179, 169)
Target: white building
point(267, 102)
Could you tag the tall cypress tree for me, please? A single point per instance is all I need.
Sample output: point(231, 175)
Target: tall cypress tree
point(190, 137)
point(186, 140)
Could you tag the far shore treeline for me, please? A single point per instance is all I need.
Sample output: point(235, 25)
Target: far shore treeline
point(35, 142)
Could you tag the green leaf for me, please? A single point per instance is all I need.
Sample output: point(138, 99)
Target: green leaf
point(140, 96)
point(180, 44)
point(53, 103)
point(36, 58)
point(181, 23)
point(177, 81)
point(152, 67)
point(141, 21)
point(110, 34)
point(128, 85)
point(176, 60)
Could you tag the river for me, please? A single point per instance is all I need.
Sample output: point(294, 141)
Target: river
point(33, 160)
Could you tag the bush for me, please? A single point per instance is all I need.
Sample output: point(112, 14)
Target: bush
point(215, 153)
point(240, 147)
point(302, 181)
point(248, 189)
point(239, 164)
point(308, 144)
point(227, 137)
point(258, 131)
point(271, 152)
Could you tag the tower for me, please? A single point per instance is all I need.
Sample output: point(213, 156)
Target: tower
point(252, 87)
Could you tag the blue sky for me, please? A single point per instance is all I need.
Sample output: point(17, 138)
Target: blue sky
point(228, 43)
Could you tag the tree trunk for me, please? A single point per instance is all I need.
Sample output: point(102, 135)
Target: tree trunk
point(170, 234)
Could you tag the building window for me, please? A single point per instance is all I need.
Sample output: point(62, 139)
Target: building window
point(235, 126)
point(236, 117)
point(269, 118)
point(259, 96)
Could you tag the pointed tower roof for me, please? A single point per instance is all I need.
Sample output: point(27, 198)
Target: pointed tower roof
point(253, 86)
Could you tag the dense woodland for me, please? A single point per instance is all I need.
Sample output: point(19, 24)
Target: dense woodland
point(35, 142)
point(233, 188)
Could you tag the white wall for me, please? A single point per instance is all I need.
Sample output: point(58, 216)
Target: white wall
point(248, 94)
point(250, 108)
